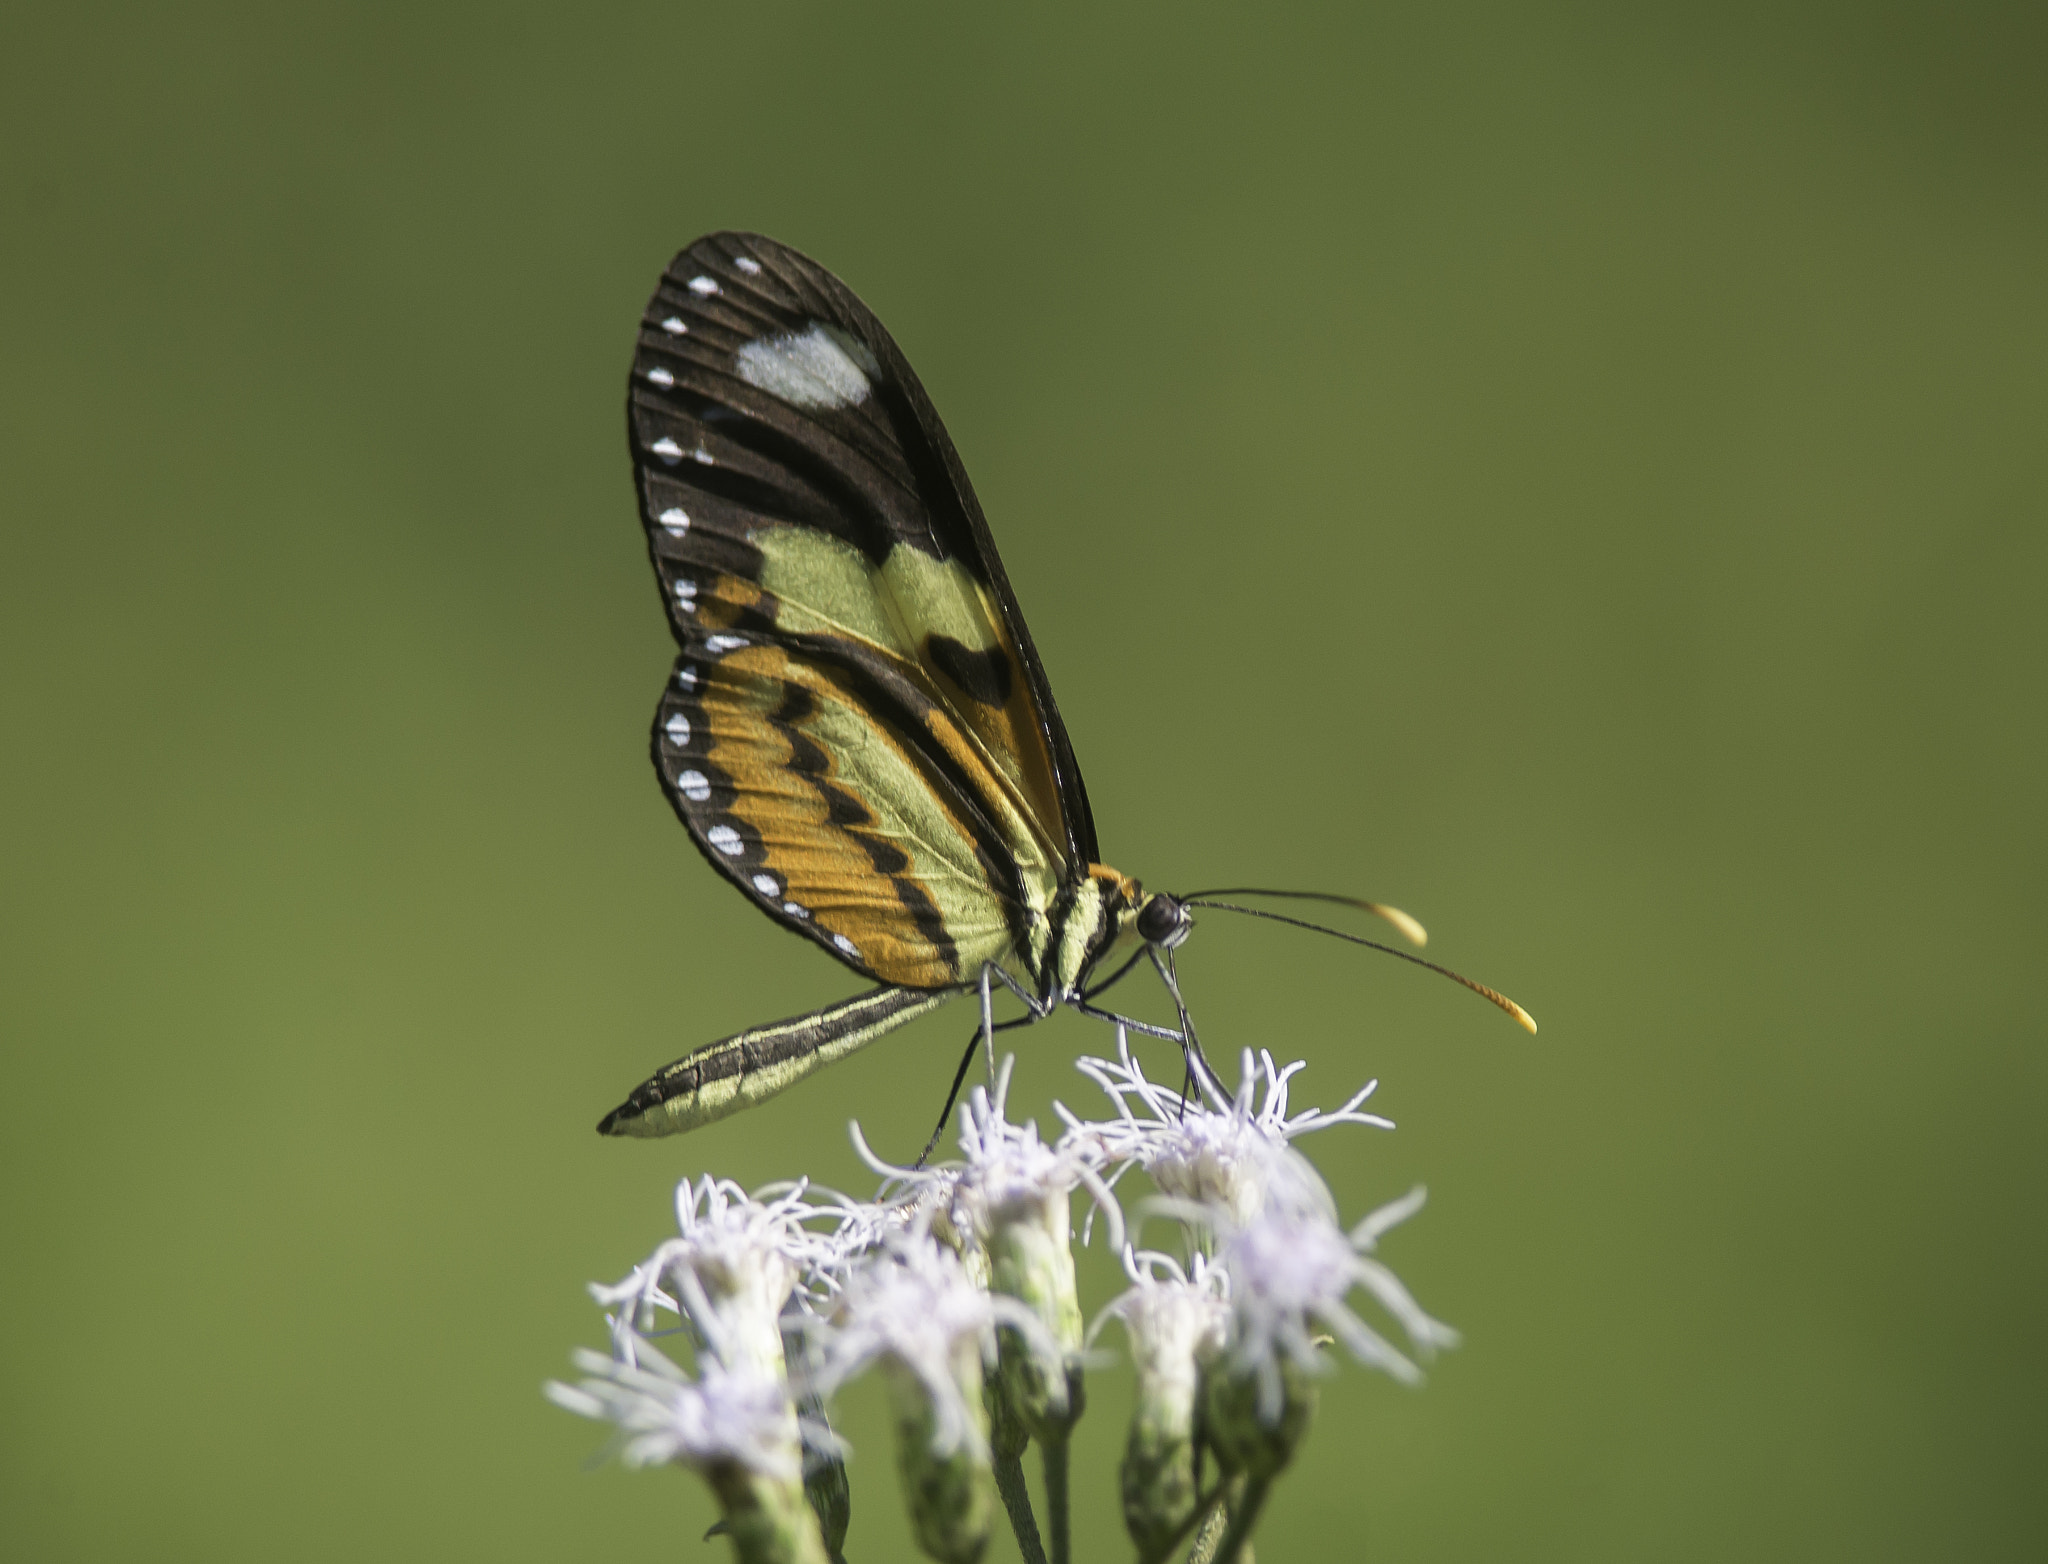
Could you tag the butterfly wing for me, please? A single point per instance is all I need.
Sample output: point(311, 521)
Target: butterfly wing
point(858, 731)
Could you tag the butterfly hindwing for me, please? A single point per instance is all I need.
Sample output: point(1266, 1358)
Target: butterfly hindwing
point(858, 731)
point(804, 784)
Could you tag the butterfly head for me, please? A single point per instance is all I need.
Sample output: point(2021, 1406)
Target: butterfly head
point(1110, 909)
point(1164, 921)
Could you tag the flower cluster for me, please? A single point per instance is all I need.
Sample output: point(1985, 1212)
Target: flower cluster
point(957, 1285)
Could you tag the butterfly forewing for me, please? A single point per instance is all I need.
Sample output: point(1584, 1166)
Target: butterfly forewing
point(858, 732)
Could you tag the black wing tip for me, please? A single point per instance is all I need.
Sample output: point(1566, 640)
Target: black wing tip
point(725, 249)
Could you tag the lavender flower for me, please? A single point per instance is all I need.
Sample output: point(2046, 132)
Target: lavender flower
point(1233, 1153)
point(958, 1284)
point(912, 1308)
point(663, 1416)
point(1290, 1272)
point(732, 1269)
point(729, 1424)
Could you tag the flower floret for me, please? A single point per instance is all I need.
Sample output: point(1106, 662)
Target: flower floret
point(662, 1415)
point(1234, 1151)
point(1291, 1272)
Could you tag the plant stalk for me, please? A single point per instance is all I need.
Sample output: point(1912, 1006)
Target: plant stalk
point(1017, 1501)
point(1053, 1452)
point(1236, 1546)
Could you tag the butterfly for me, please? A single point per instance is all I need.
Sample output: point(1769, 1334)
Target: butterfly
point(857, 732)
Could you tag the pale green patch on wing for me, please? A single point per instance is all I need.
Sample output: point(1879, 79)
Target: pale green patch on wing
point(825, 586)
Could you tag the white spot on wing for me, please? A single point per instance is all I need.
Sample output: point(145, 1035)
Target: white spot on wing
point(846, 945)
point(703, 287)
point(725, 643)
point(677, 728)
point(694, 786)
point(674, 326)
point(796, 909)
point(675, 520)
point(815, 367)
point(661, 377)
point(726, 840)
point(701, 455)
point(667, 450)
point(686, 596)
point(749, 265)
point(767, 885)
point(686, 677)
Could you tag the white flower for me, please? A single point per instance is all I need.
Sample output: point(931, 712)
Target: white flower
point(729, 1273)
point(1175, 1317)
point(1006, 1171)
point(1293, 1270)
point(724, 1416)
point(911, 1302)
point(1229, 1152)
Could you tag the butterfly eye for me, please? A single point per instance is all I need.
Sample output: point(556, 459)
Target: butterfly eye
point(1163, 921)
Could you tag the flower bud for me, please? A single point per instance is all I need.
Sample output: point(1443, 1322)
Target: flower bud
point(825, 1484)
point(728, 1424)
point(1030, 1261)
point(1235, 1415)
point(1174, 1324)
point(768, 1520)
point(949, 1487)
point(910, 1308)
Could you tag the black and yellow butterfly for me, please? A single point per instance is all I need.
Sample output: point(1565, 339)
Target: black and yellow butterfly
point(858, 732)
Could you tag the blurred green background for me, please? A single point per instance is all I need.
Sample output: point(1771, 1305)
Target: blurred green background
point(1575, 473)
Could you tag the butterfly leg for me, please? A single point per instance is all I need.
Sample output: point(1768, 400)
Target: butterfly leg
point(1191, 1045)
point(1114, 978)
point(1145, 1028)
point(1039, 1008)
point(984, 1033)
point(988, 1019)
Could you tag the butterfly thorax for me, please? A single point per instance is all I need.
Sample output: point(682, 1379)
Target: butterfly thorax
point(1092, 915)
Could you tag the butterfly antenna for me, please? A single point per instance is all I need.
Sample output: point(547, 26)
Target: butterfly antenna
point(1413, 932)
point(1498, 998)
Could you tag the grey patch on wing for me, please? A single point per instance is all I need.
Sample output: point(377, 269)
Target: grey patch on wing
point(818, 367)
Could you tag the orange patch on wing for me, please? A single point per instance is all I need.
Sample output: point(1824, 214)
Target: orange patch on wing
point(823, 864)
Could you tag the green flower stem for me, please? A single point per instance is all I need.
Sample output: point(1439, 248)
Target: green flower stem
point(1243, 1507)
point(1054, 1452)
point(1017, 1500)
point(1215, 1519)
point(769, 1520)
point(1211, 1516)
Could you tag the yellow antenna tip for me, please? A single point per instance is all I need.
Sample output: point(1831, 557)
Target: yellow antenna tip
point(1528, 1021)
point(1411, 931)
